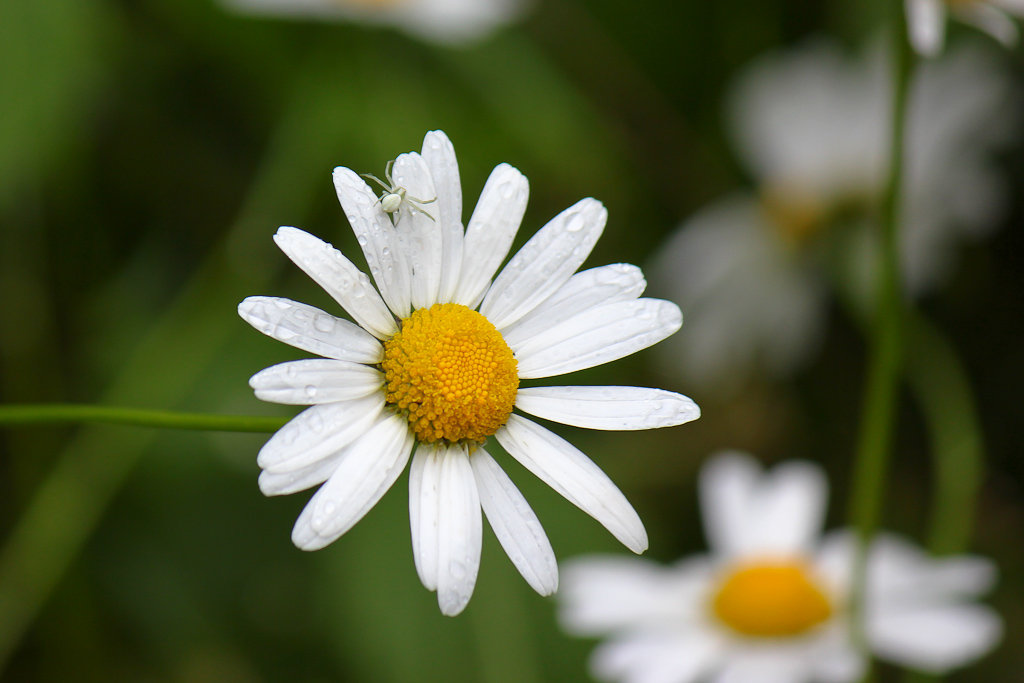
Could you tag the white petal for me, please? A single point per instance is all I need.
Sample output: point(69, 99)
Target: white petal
point(317, 380)
point(515, 524)
point(439, 154)
point(606, 594)
point(310, 329)
point(460, 532)
point(545, 263)
point(424, 474)
point(615, 282)
point(419, 232)
point(992, 21)
point(657, 656)
point(926, 20)
point(935, 638)
point(378, 239)
point(285, 483)
point(1011, 6)
point(366, 471)
point(568, 471)
point(608, 408)
point(746, 512)
point(339, 277)
point(766, 665)
point(596, 336)
point(319, 432)
point(490, 232)
point(901, 574)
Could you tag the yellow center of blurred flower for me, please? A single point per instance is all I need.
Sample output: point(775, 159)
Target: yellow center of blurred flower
point(451, 373)
point(771, 600)
point(797, 217)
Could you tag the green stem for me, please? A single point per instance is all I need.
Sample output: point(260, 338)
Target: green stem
point(15, 415)
point(879, 410)
point(940, 385)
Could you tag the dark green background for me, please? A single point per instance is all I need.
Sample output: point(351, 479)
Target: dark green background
point(149, 150)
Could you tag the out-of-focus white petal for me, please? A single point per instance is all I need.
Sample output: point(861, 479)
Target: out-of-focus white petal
point(902, 574)
point(515, 524)
point(657, 656)
point(934, 638)
point(319, 432)
point(568, 471)
point(1011, 6)
point(460, 529)
point(545, 263)
point(317, 380)
point(747, 512)
point(378, 239)
point(992, 21)
point(439, 154)
point(608, 408)
point(926, 20)
point(423, 509)
point(750, 303)
point(420, 233)
point(450, 22)
point(596, 336)
point(310, 329)
point(493, 226)
point(340, 278)
point(366, 471)
point(593, 287)
point(765, 665)
point(608, 594)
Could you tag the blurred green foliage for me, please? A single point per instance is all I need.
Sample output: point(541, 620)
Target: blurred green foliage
point(148, 151)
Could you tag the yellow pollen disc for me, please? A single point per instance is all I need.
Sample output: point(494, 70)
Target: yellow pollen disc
point(771, 600)
point(797, 217)
point(451, 373)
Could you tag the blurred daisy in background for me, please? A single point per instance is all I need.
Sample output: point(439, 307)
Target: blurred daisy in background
point(770, 603)
point(926, 21)
point(439, 21)
point(433, 363)
point(811, 126)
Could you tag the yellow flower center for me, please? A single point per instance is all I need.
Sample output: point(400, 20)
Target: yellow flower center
point(451, 373)
point(771, 600)
point(797, 217)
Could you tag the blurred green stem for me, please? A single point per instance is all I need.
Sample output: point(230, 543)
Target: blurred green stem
point(12, 415)
point(940, 386)
point(879, 410)
point(939, 383)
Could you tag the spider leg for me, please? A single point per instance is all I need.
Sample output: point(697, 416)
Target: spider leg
point(415, 200)
point(370, 176)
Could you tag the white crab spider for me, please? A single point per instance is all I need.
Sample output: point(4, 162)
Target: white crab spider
point(394, 196)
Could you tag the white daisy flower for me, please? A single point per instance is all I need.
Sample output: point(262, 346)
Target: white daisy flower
point(770, 603)
point(812, 126)
point(439, 21)
point(926, 21)
point(433, 361)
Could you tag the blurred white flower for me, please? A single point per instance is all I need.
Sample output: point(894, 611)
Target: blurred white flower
point(812, 125)
point(770, 603)
point(926, 21)
point(440, 21)
point(434, 363)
